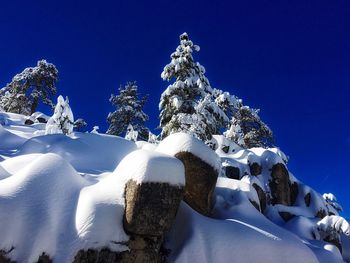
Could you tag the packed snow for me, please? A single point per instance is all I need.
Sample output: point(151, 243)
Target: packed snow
point(62, 193)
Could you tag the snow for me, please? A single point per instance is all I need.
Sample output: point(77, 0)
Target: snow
point(195, 238)
point(92, 153)
point(60, 194)
point(149, 166)
point(183, 142)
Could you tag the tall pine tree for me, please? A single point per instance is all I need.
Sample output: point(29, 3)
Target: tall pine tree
point(187, 105)
point(128, 112)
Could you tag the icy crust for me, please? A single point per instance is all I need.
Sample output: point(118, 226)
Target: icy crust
point(149, 166)
point(182, 142)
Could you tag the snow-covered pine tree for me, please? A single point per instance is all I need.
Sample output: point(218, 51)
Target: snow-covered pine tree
point(35, 84)
point(187, 105)
point(129, 111)
point(13, 102)
point(62, 121)
point(248, 130)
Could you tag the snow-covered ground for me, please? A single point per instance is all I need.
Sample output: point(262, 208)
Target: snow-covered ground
point(60, 194)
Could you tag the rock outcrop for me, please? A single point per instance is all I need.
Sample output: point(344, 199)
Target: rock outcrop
point(280, 185)
point(232, 172)
point(150, 208)
point(200, 182)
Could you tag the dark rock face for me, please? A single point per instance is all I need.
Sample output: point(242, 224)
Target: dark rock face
point(262, 197)
point(107, 256)
point(255, 169)
point(44, 259)
point(286, 216)
point(307, 199)
point(28, 122)
point(255, 204)
point(200, 182)
point(232, 172)
point(41, 120)
point(4, 259)
point(93, 256)
point(225, 148)
point(280, 185)
point(294, 191)
point(150, 208)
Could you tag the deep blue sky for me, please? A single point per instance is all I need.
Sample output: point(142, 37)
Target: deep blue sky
point(291, 60)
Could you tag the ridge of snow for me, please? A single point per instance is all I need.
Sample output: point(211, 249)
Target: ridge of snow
point(183, 142)
point(149, 166)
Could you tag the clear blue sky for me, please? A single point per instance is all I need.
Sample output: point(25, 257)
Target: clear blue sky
point(290, 59)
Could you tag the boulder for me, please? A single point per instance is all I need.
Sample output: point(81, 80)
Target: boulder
point(28, 122)
point(200, 182)
point(294, 191)
point(43, 258)
point(225, 148)
point(280, 185)
point(41, 120)
point(262, 197)
point(232, 172)
point(286, 216)
point(150, 208)
point(307, 199)
point(255, 169)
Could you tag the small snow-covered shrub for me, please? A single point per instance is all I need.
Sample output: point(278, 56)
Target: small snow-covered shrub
point(330, 227)
point(62, 121)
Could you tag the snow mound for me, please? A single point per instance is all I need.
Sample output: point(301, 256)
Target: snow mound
point(195, 238)
point(92, 153)
point(182, 142)
point(52, 209)
point(40, 202)
point(147, 166)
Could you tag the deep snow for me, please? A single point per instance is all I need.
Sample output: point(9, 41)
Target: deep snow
point(59, 194)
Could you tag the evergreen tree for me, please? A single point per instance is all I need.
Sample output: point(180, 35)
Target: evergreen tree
point(35, 84)
point(188, 105)
point(128, 112)
point(248, 130)
point(62, 121)
point(14, 102)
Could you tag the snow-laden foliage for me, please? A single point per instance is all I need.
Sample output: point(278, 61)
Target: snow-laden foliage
point(80, 124)
point(95, 129)
point(228, 103)
point(131, 134)
point(13, 102)
point(30, 87)
point(332, 201)
point(62, 121)
point(188, 104)
point(248, 130)
point(129, 111)
point(330, 228)
point(152, 138)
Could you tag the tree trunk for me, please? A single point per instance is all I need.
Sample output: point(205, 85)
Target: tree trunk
point(34, 106)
